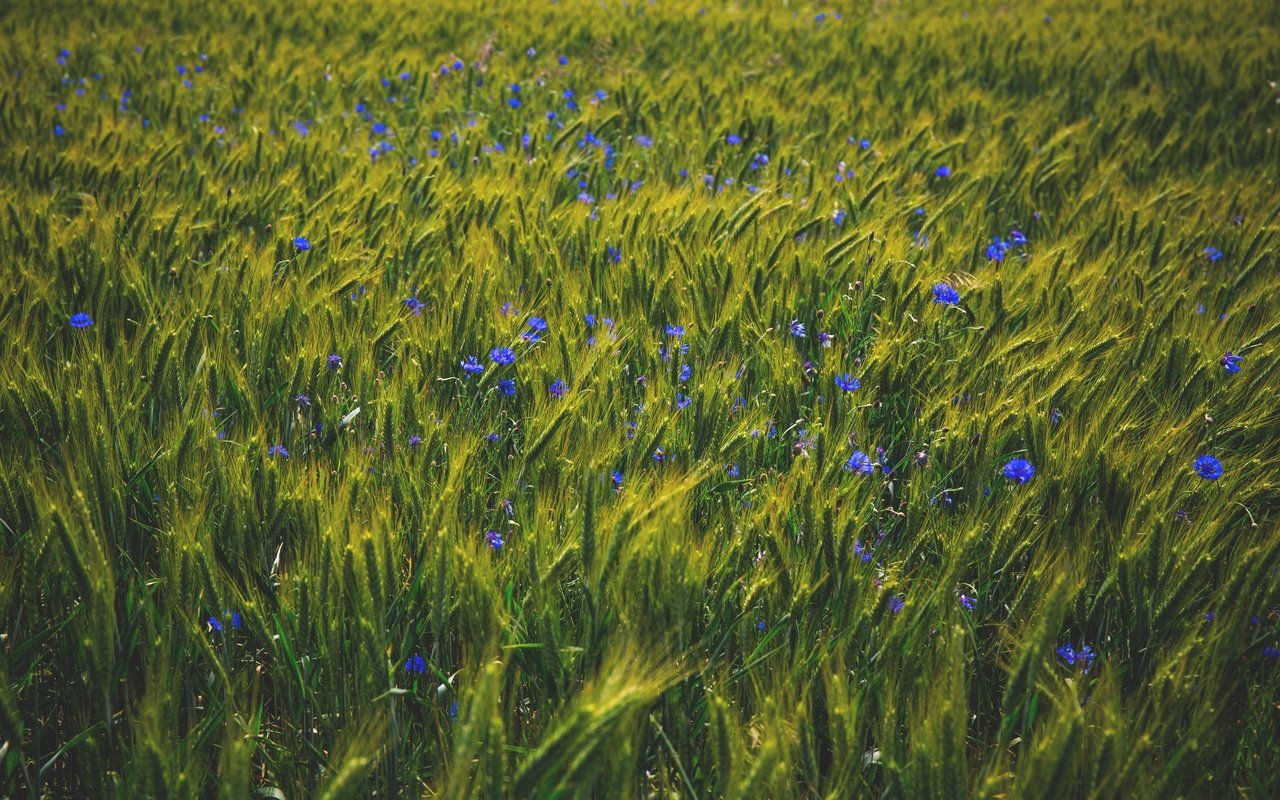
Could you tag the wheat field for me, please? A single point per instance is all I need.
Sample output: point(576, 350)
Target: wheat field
point(640, 399)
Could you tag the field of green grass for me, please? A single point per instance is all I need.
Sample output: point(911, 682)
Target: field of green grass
point(640, 399)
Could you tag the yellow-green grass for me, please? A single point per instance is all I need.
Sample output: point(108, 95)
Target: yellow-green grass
point(723, 624)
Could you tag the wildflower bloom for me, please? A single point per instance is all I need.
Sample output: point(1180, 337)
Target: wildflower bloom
point(968, 602)
point(1231, 362)
point(557, 388)
point(415, 440)
point(1213, 253)
point(471, 366)
point(944, 294)
point(301, 243)
point(797, 329)
point(847, 382)
point(303, 401)
point(502, 356)
point(494, 540)
point(860, 463)
point(277, 450)
point(1019, 469)
point(415, 665)
point(1208, 467)
point(675, 330)
point(507, 386)
point(335, 361)
point(1081, 659)
point(896, 603)
point(414, 305)
point(81, 320)
point(943, 171)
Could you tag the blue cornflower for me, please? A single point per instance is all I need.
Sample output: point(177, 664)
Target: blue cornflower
point(675, 330)
point(557, 388)
point(494, 540)
point(616, 477)
point(614, 254)
point(865, 144)
point(1231, 363)
point(590, 319)
point(507, 387)
point(732, 471)
point(1081, 659)
point(303, 400)
point(682, 401)
point(415, 440)
point(1019, 469)
point(860, 463)
point(413, 304)
point(471, 365)
point(1213, 253)
point(896, 603)
point(232, 616)
point(685, 372)
point(1055, 416)
point(537, 323)
point(277, 450)
point(562, 60)
point(733, 138)
point(943, 171)
point(1017, 237)
point(944, 294)
point(1208, 467)
point(415, 664)
point(968, 602)
point(335, 361)
point(502, 355)
point(81, 320)
point(301, 243)
point(797, 329)
point(847, 382)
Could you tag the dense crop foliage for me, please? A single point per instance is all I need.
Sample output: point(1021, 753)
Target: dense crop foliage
point(633, 399)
